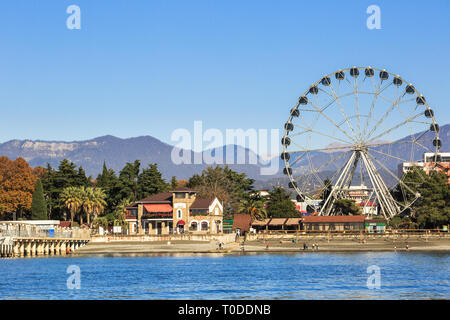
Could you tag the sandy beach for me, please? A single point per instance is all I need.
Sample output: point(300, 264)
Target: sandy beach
point(274, 245)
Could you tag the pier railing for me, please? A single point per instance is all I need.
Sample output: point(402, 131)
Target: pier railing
point(18, 230)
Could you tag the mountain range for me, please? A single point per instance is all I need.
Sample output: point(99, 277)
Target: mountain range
point(115, 152)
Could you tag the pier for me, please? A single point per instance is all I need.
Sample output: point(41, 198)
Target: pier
point(20, 239)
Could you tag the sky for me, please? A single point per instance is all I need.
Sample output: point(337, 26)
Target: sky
point(150, 67)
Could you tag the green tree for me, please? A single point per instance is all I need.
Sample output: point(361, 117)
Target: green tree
point(38, 204)
point(150, 181)
point(254, 206)
point(432, 208)
point(72, 199)
point(51, 192)
point(55, 181)
point(93, 201)
point(222, 182)
point(346, 207)
point(173, 183)
point(280, 205)
point(108, 182)
point(127, 184)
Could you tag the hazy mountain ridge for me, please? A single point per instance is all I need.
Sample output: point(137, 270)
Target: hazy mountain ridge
point(90, 154)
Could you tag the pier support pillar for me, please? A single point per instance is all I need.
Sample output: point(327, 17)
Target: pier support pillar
point(16, 249)
point(21, 248)
point(62, 247)
point(51, 247)
point(46, 247)
point(39, 248)
point(28, 248)
point(58, 247)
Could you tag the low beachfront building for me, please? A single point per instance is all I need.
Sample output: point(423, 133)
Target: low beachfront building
point(375, 225)
point(175, 212)
point(333, 223)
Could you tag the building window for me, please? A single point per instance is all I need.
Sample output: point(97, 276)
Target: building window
point(216, 211)
point(193, 226)
point(179, 195)
point(204, 226)
point(133, 212)
point(179, 214)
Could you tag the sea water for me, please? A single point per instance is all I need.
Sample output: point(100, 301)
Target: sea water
point(401, 275)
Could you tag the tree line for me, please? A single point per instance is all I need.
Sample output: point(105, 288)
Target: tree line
point(67, 193)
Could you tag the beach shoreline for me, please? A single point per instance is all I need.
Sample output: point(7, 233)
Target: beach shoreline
point(266, 246)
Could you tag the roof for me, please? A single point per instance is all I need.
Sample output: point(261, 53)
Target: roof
point(242, 221)
point(307, 219)
point(376, 220)
point(260, 223)
point(183, 189)
point(132, 206)
point(65, 224)
point(202, 203)
point(159, 197)
point(277, 221)
point(293, 221)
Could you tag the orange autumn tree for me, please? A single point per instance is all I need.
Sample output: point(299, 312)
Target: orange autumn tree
point(17, 183)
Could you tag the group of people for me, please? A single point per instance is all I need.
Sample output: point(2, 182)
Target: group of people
point(315, 246)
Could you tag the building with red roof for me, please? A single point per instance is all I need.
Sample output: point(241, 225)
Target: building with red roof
point(177, 211)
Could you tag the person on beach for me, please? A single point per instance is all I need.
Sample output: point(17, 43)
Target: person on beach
point(267, 246)
point(304, 246)
point(407, 246)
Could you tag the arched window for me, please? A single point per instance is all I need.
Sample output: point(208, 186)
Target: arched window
point(179, 214)
point(204, 226)
point(194, 226)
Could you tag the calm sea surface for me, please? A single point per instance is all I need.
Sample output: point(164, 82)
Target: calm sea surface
point(264, 276)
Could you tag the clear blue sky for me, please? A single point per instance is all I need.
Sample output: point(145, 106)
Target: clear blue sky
point(149, 67)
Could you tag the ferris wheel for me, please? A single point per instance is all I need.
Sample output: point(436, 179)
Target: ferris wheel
point(348, 136)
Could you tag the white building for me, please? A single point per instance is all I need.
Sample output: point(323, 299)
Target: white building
point(428, 157)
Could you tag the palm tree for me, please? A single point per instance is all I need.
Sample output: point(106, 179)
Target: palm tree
point(72, 199)
point(99, 202)
point(121, 211)
point(93, 201)
point(254, 206)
